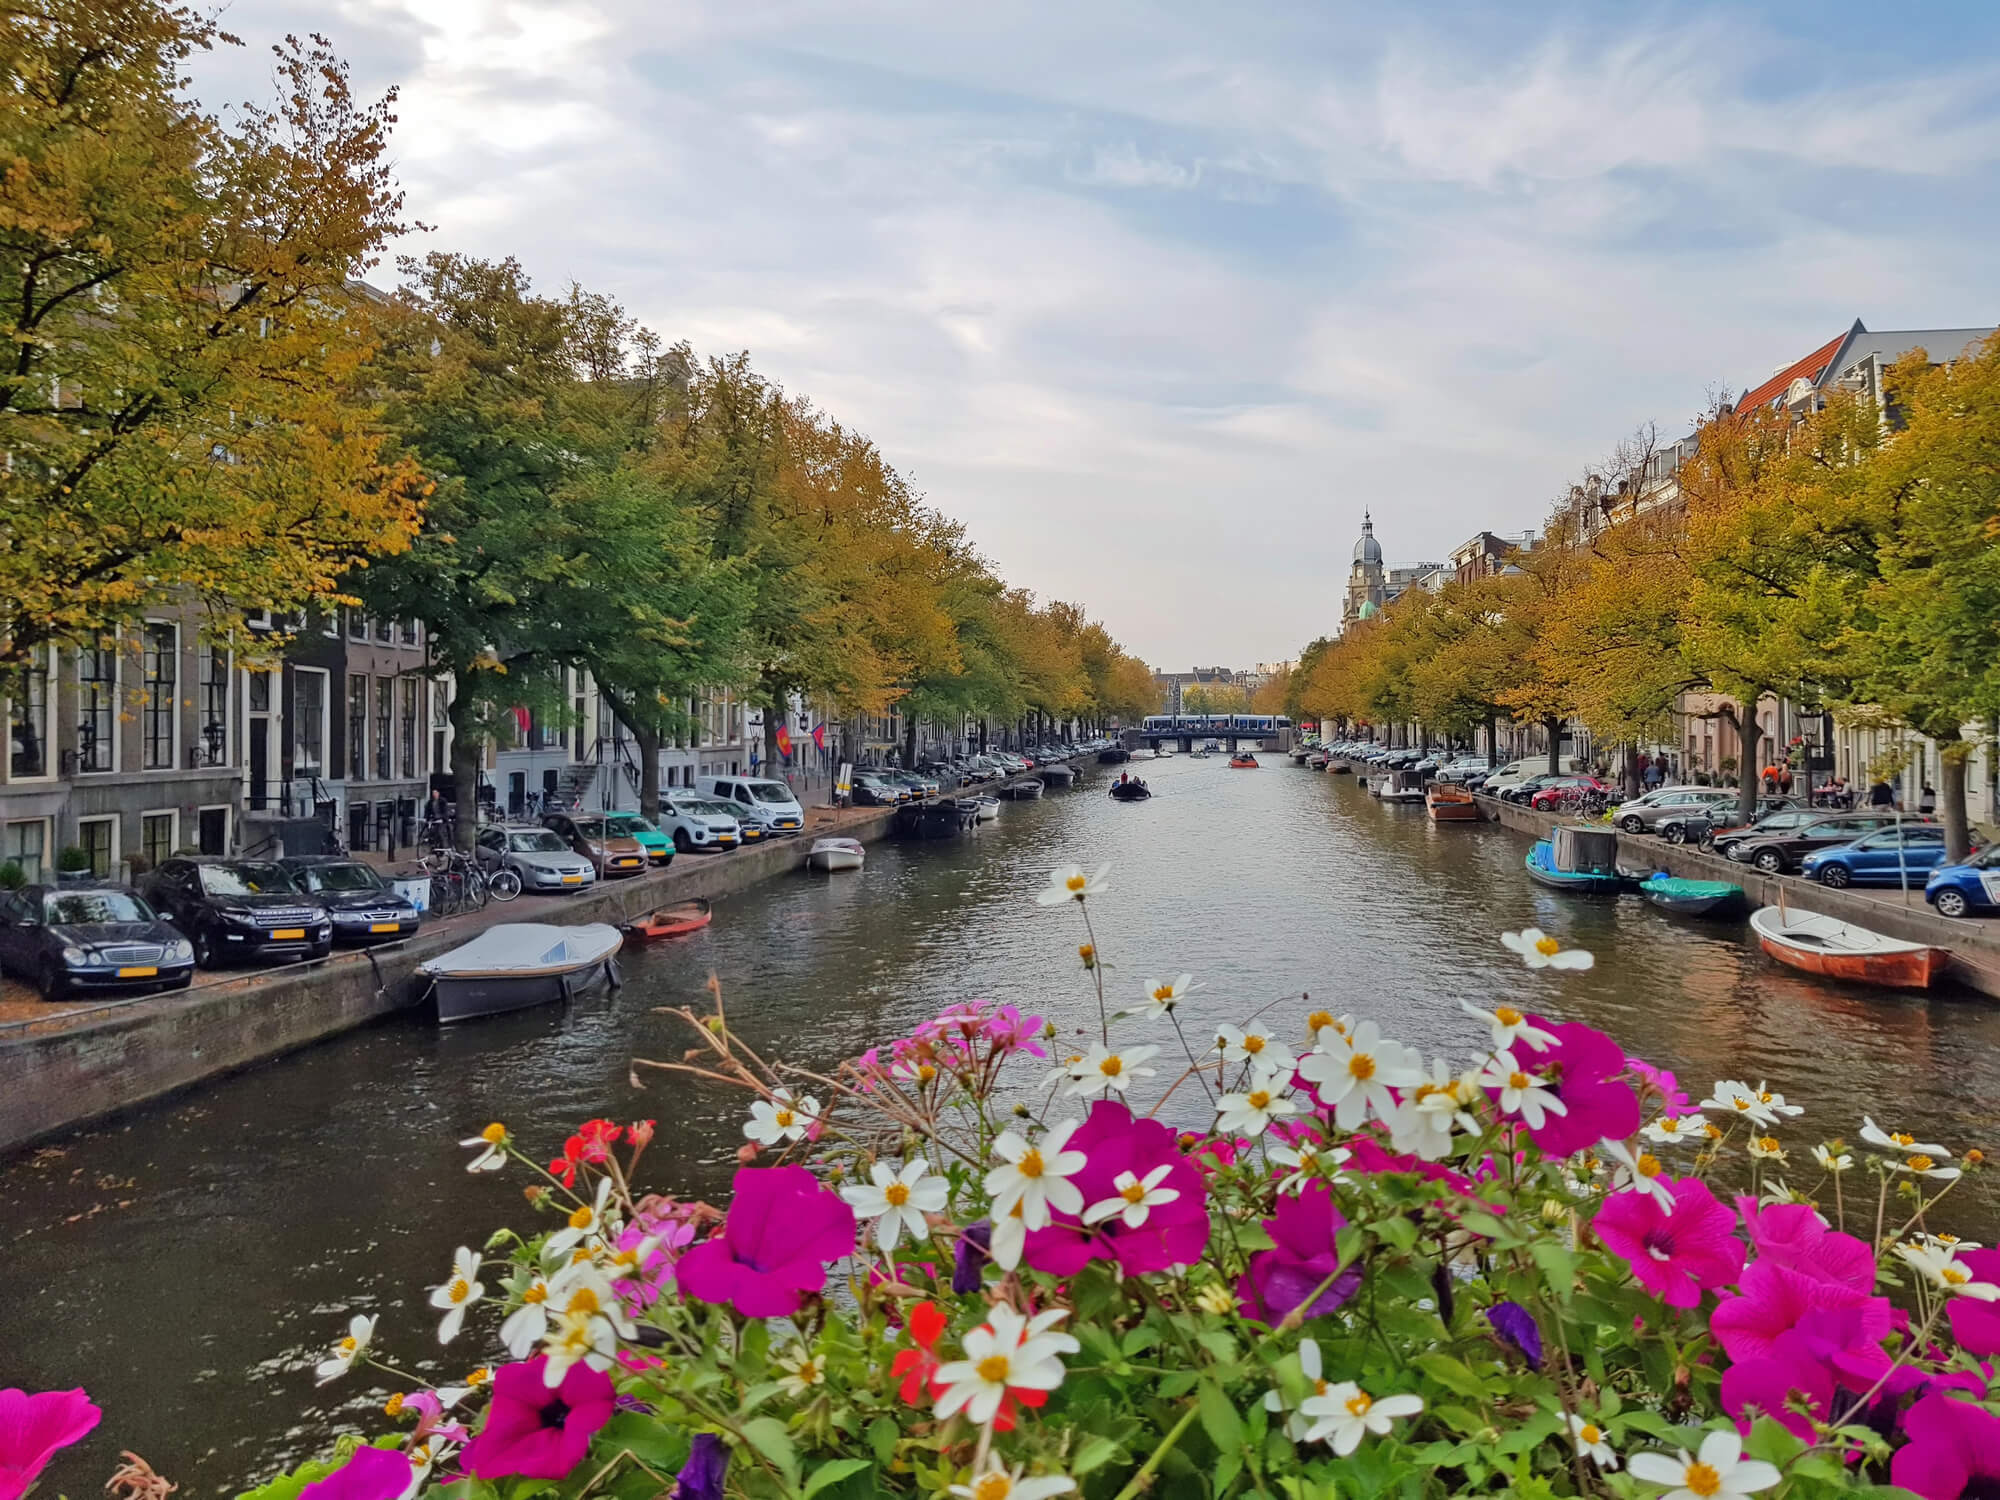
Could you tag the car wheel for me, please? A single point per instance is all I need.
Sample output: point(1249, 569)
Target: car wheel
point(1708, 841)
point(1636, 824)
point(1676, 833)
point(1769, 861)
point(681, 840)
point(52, 980)
point(204, 950)
point(1835, 877)
point(1952, 903)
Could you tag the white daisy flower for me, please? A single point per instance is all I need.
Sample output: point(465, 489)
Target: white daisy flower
point(1520, 1092)
point(1109, 1070)
point(1345, 1414)
point(1431, 1110)
point(898, 1200)
point(1942, 1268)
point(1640, 1172)
point(1510, 1027)
point(1035, 1176)
point(1720, 1473)
point(1775, 1102)
point(1134, 1198)
point(1895, 1142)
point(423, 1458)
point(360, 1334)
point(1255, 1045)
point(1323, 1029)
point(780, 1118)
point(1949, 1243)
point(1010, 1235)
point(528, 1324)
point(1674, 1130)
point(1736, 1098)
point(1296, 1423)
point(1354, 1079)
point(1162, 997)
point(458, 1293)
point(1252, 1111)
point(1832, 1160)
point(802, 1371)
point(1925, 1166)
point(1071, 884)
point(997, 1483)
point(1540, 951)
point(1766, 1148)
point(1590, 1443)
point(1005, 1350)
point(585, 1225)
point(1308, 1163)
point(492, 1142)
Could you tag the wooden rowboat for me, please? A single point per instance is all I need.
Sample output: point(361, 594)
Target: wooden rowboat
point(673, 921)
point(1450, 804)
point(1840, 950)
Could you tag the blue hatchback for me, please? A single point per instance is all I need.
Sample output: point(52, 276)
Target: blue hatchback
point(1967, 890)
point(1890, 856)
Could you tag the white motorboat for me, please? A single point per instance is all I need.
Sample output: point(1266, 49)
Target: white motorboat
point(519, 964)
point(988, 809)
point(836, 854)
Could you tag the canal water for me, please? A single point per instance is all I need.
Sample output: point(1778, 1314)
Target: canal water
point(188, 1263)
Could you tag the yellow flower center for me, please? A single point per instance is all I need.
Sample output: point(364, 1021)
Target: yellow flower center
point(460, 1289)
point(1506, 1015)
point(1946, 1239)
point(1164, 992)
point(494, 1134)
point(1030, 1164)
point(1670, 1127)
point(1112, 1066)
point(348, 1346)
point(1361, 1066)
point(1765, 1096)
point(393, 1407)
point(1648, 1165)
point(1319, 1020)
point(1319, 1387)
point(1133, 1191)
point(1953, 1276)
point(925, 1072)
point(1741, 1103)
point(1903, 1140)
point(582, 1303)
point(1358, 1403)
point(1975, 1156)
point(1590, 1435)
point(993, 1369)
point(1921, 1164)
point(897, 1194)
point(784, 1119)
point(478, 1377)
point(1253, 1044)
point(992, 1487)
point(1713, 1132)
point(808, 1373)
point(1518, 1080)
point(1258, 1098)
point(582, 1218)
point(1768, 1143)
point(1076, 882)
point(539, 1292)
point(1548, 947)
point(1701, 1479)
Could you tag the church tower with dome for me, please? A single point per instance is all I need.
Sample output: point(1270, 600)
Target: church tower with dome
point(1367, 584)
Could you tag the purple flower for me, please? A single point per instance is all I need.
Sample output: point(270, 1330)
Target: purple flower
point(536, 1432)
point(33, 1427)
point(1951, 1442)
point(969, 1259)
point(1517, 1328)
point(372, 1474)
point(1582, 1068)
point(1114, 1144)
point(783, 1228)
point(701, 1476)
point(1302, 1256)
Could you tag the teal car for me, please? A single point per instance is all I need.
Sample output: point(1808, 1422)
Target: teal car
point(659, 848)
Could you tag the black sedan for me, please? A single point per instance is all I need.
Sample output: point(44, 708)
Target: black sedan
point(67, 939)
point(365, 908)
point(234, 909)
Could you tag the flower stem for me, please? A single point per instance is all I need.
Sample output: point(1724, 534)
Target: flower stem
point(1138, 1482)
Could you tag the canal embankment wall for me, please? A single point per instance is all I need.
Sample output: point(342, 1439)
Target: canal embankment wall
point(85, 1063)
point(1974, 945)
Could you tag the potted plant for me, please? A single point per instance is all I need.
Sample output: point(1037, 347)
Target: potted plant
point(12, 876)
point(73, 865)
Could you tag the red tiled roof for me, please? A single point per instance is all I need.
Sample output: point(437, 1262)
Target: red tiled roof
point(1810, 368)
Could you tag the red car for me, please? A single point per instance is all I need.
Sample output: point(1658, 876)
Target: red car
point(1551, 797)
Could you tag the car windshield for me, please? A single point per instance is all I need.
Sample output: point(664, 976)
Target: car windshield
point(67, 908)
point(338, 878)
point(630, 825)
point(246, 880)
point(539, 841)
point(770, 791)
point(591, 828)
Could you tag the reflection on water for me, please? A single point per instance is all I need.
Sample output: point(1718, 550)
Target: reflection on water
point(189, 1263)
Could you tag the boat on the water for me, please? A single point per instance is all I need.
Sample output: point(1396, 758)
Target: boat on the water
point(1022, 791)
point(938, 818)
point(519, 964)
point(1400, 786)
point(836, 854)
point(1693, 898)
point(1580, 860)
point(1115, 756)
point(1243, 761)
point(673, 921)
point(1339, 768)
point(1130, 791)
point(1450, 804)
point(1840, 950)
point(985, 809)
point(1317, 760)
point(1057, 776)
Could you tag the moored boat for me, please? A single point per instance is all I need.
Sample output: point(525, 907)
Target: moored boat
point(673, 921)
point(1840, 950)
point(1450, 804)
point(836, 854)
point(518, 964)
point(985, 809)
point(1113, 756)
point(1057, 776)
point(1022, 791)
point(1693, 898)
point(1400, 786)
point(938, 818)
point(1583, 861)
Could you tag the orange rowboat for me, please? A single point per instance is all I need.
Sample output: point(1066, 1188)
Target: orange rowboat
point(1840, 950)
point(1450, 804)
point(670, 921)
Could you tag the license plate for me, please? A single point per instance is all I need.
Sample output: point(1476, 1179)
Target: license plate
point(289, 932)
point(385, 926)
point(626, 863)
point(148, 972)
point(572, 880)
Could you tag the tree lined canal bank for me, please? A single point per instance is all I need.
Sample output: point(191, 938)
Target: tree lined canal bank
point(266, 1207)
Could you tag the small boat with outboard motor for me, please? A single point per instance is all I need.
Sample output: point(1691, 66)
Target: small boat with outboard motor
point(1450, 804)
point(1243, 760)
point(1583, 861)
point(1130, 791)
point(836, 854)
point(519, 964)
point(1693, 898)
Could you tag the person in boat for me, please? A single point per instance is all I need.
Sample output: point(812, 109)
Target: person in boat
point(1123, 776)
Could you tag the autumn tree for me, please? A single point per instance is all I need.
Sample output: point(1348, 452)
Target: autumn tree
point(1215, 698)
point(181, 399)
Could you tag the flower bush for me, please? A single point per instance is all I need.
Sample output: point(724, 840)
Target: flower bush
point(971, 1263)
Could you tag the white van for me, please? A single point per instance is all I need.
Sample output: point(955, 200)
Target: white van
point(769, 804)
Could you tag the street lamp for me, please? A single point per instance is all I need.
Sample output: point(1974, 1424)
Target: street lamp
point(212, 734)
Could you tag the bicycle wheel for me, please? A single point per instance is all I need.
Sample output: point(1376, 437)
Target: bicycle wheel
point(505, 884)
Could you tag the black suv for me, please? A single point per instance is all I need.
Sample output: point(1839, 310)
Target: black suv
point(1779, 852)
point(365, 908)
point(96, 937)
point(240, 908)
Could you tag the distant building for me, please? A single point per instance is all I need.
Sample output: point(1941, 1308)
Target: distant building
point(1173, 685)
point(1371, 586)
point(1485, 554)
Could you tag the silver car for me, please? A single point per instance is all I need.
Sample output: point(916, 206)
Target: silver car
point(1644, 814)
point(543, 860)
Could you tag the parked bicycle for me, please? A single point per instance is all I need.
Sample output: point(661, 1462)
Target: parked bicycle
point(458, 883)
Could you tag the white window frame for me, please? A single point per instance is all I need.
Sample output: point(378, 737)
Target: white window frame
point(51, 755)
point(117, 830)
point(173, 814)
point(49, 849)
point(173, 761)
point(325, 710)
point(228, 822)
point(117, 653)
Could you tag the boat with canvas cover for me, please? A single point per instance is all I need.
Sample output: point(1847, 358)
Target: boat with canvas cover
point(1840, 950)
point(836, 854)
point(1583, 861)
point(519, 964)
point(1693, 898)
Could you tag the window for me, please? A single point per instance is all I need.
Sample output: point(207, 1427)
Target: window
point(214, 705)
point(386, 632)
point(308, 721)
point(406, 725)
point(28, 726)
point(357, 625)
point(385, 697)
point(357, 728)
point(26, 844)
point(97, 708)
point(98, 837)
point(158, 833)
point(440, 727)
point(159, 663)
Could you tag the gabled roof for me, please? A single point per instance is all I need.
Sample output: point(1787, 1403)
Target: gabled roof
point(1809, 369)
point(1941, 344)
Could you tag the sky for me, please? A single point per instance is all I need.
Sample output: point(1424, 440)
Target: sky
point(1158, 298)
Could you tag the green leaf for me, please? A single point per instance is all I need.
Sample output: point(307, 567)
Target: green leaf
point(1094, 1454)
point(882, 1435)
point(1219, 1418)
point(1140, 1339)
point(1398, 1231)
point(1479, 1221)
point(769, 1437)
point(1226, 1470)
point(657, 1446)
point(1772, 1442)
point(833, 1473)
point(1459, 1418)
point(1450, 1373)
point(1558, 1267)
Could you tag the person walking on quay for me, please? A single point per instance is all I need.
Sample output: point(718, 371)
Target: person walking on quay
point(1927, 800)
point(1881, 794)
point(1654, 775)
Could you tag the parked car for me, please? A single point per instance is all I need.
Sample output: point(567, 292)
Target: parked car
point(873, 789)
point(694, 822)
point(1645, 814)
point(1554, 790)
point(234, 909)
point(64, 939)
point(365, 908)
point(1971, 888)
point(540, 856)
point(759, 802)
point(658, 846)
point(1726, 840)
point(1780, 853)
point(1463, 768)
point(1890, 856)
point(614, 855)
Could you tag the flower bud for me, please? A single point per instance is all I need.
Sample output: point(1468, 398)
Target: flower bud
point(1974, 1156)
point(1022, 1112)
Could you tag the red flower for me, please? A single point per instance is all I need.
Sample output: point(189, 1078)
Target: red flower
point(563, 1168)
point(918, 1367)
point(640, 1132)
point(598, 1137)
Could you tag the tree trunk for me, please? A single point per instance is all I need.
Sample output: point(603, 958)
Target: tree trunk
point(1952, 756)
point(466, 746)
point(1492, 740)
point(1555, 729)
point(910, 742)
point(647, 738)
point(1749, 737)
point(1630, 778)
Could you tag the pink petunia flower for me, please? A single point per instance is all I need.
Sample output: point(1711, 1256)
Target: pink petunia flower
point(1582, 1069)
point(1777, 1299)
point(1674, 1256)
point(1301, 1258)
point(782, 1229)
point(1773, 1385)
point(1114, 1144)
point(1951, 1443)
point(1673, 1098)
point(1976, 1324)
point(1794, 1235)
point(536, 1432)
point(33, 1427)
point(371, 1474)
